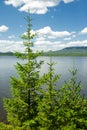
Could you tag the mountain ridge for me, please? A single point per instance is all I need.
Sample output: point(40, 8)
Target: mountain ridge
point(69, 51)
point(6, 53)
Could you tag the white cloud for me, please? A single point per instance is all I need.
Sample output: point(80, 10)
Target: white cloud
point(73, 35)
point(3, 28)
point(11, 36)
point(67, 38)
point(57, 45)
point(35, 6)
point(49, 33)
point(78, 43)
point(15, 3)
point(43, 44)
point(84, 31)
point(11, 46)
point(48, 39)
point(68, 1)
point(47, 45)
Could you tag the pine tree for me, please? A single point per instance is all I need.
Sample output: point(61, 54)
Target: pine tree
point(47, 106)
point(22, 106)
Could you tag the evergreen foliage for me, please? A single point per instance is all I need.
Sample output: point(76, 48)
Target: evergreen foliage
point(22, 107)
point(36, 102)
point(47, 106)
point(72, 112)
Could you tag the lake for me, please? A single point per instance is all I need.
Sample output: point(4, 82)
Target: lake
point(62, 66)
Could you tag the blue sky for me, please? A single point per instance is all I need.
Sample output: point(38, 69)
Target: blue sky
point(59, 23)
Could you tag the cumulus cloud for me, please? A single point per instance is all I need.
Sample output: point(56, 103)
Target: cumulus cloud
point(77, 43)
point(84, 31)
point(39, 44)
point(67, 38)
point(49, 33)
point(46, 45)
point(15, 3)
point(58, 45)
point(3, 28)
point(11, 46)
point(68, 1)
point(48, 39)
point(35, 6)
point(55, 40)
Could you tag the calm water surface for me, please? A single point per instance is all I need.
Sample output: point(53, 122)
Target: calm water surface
point(62, 66)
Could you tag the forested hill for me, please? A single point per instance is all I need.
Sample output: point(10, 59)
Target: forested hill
point(6, 53)
point(69, 51)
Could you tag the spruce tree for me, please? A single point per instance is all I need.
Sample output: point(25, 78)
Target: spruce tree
point(72, 112)
point(47, 106)
point(22, 106)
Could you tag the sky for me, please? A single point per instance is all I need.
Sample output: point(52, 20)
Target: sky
point(59, 24)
